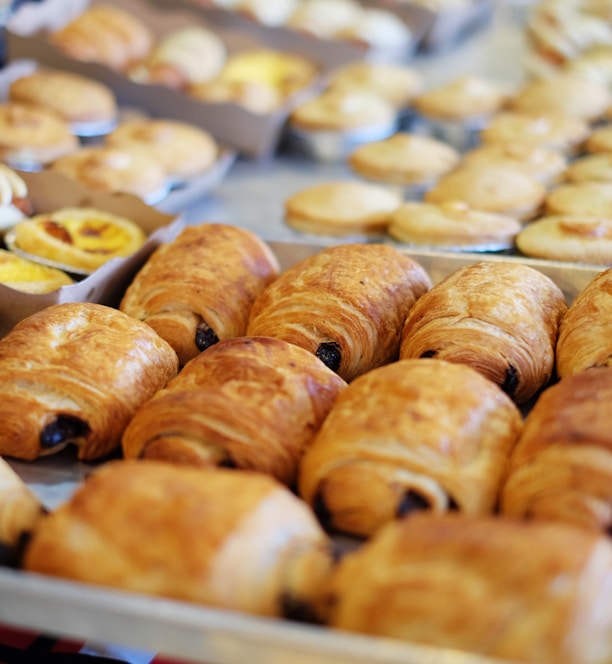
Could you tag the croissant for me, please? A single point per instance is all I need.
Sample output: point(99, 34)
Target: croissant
point(413, 435)
point(76, 373)
point(20, 511)
point(501, 318)
point(562, 464)
point(522, 592)
point(346, 304)
point(250, 402)
point(200, 288)
point(230, 539)
point(584, 334)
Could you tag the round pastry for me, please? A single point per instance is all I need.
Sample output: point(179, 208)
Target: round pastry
point(579, 239)
point(324, 19)
point(452, 226)
point(110, 169)
point(78, 239)
point(581, 199)
point(32, 136)
point(254, 96)
point(594, 64)
point(341, 208)
point(14, 201)
point(592, 168)
point(88, 105)
point(599, 140)
point(265, 12)
point(105, 34)
point(404, 159)
point(28, 276)
point(498, 189)
point(378, 29)
point(183, 150)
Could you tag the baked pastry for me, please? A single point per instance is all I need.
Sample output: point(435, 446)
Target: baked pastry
point(560, 465)
point(113, 169)
point(199, 288)
point(268, 13)
point(30, 277)
point(580, 199)
point(255, 96)
point(15, 203)
point(579, 239)
point(20, 512)
point(584, 335)
point(501, 318)
point(324, 19)
point(184, 150)
point(524, 592)
point(76, 373)
point(253, 403)
point(79, 239)
point(189, 538)
point(346, 304)
point(599, 140)
point(590, 168)
point(452, 226)
point(183, 57)
point(412, 435)
point(105, 34)
point(496, 188)
point(31, 136)
point(594, 64)
point(89, 106)
point(341, 208)
point(380, 30)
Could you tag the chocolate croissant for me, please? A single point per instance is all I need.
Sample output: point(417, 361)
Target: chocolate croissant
point(413, 435)
point(562, 464)
point(584, 334)
point(200, 288)
point(346, 304)
point(250, 402)
point(501, 318)
point(521, 592)
point(229, 539)
point(76, 373)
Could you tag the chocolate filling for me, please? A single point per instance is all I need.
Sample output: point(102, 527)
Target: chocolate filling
point(63, 429)
point(330, 354)
point(510, 381)
point(321, 510)
point(205, 336)
point(412, 501)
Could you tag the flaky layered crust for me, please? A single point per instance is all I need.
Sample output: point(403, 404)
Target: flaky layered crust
point(584, 334)
point(346, 304)
point(250, 402)
point(492, 586)
point(223, 538)
point(562, 463)
point(76, 373)
point(501, 318)
point(199, 289)
point(413, 435)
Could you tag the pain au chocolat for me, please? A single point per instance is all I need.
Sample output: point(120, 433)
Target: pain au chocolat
point(250, 402)
point(199, 288)
point(346, 304)
point(76, 373)
point(501, 318)
point(413, 435)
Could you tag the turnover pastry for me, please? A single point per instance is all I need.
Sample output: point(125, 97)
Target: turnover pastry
point(584, 334)
point(413, 435)
point(501, 318)
point(235, 540)
point(76, 373)
point(561, 465)
point(250, 402)
point(78, 239)
point(528, 592)
point(199, 289)
point(346, 304)
point(30, 277)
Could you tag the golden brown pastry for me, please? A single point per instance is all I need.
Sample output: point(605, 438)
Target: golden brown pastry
point(20, 511)
point(413, 435)
point(76, 373)
point(346, 304)
point(230, 539)
point(199, 289)
point(528, 592)
point(562, 463)
point(501, 318)
point(584, 334)
point(253, 403)
point(30, 277)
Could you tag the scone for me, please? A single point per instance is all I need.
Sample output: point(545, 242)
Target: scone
point(341, 208)
point(590, 168)
point(75, 373)
point(580, 199)
point(452, 226)
point(501, 318)
point(28, 276)
point(15, 203)
point(412, 435)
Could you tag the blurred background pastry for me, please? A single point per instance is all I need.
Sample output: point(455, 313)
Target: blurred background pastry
point(14, 201)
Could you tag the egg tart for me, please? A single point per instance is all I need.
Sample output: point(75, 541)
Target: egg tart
point(30, 277)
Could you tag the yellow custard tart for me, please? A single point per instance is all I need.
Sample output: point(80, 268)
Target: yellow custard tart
point(30, 277)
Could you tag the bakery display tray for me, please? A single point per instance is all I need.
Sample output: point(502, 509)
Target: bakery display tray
point(214, 636)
